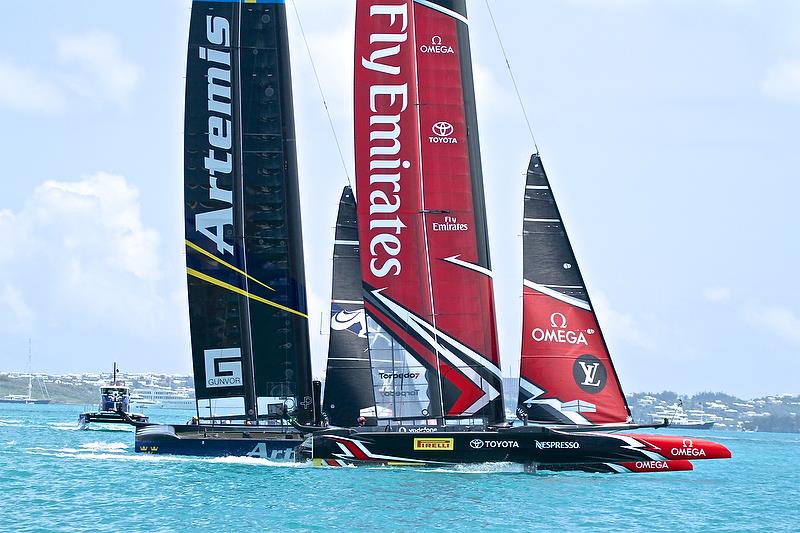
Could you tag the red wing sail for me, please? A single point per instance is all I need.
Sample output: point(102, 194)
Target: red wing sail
point(424, 256)
point(566, 374)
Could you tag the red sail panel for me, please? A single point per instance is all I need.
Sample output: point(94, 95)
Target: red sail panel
point(387, 158)
point(387, 154)
point(426, 273)
point(565, 357)
point(566, 373)
point(461, 282)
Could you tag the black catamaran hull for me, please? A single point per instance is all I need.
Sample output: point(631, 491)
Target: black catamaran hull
point(538, 447)
point(109, 417)
point(279, 444)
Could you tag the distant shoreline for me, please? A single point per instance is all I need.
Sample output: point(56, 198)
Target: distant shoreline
point(773, 413)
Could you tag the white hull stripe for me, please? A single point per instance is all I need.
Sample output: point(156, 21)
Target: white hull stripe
point(444, 10)
point(634, 444)
point(369, 454)
point(541, 220)
point(357, 302)
point(577, 302)
point(472, 266)
point(350, 243)
point(537, 187)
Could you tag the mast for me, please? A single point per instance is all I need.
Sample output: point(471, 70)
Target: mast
point(30, 371)
point(425, 257)
point(566, 372)
point(246, 280)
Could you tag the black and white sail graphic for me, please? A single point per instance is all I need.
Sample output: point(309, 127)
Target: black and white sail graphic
point(348, 382)
point(244, 260)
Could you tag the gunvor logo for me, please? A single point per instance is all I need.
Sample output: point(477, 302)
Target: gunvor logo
point(433, 444)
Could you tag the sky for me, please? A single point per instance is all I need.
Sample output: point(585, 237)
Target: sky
point(669, 130)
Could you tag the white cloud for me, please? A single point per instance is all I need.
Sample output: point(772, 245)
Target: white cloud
point(490, 97)
point(107, 201)
point(779, 320)
point(19, 315)
point(24, 89)
point(782, 81)
point(98, 55)
point(716, 294)
point(618, 326)
point(79, 252)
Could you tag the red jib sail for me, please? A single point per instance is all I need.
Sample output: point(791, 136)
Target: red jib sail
point(566, 374)
point(424, 253)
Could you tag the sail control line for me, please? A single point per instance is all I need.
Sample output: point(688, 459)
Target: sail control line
point(513, 79)
point(322, 95)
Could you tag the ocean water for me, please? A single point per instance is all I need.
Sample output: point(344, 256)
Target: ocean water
point(54, 477)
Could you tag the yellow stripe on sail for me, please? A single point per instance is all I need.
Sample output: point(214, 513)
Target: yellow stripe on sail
point(193, 246)
point(237, 290)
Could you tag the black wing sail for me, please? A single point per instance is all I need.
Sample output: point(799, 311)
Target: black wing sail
point(348, 383)
point(247, 301)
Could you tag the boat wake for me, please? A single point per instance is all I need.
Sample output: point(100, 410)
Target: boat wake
point(257, 461)
point(69, 426)
point(111, 447)
point(109, 451)
point(120, 451)
point(478, 468)
point(11, 423)
point(63, 426)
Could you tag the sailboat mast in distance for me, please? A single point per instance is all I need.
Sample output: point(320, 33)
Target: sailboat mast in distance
point(566, 373)
point(424, 250)
point(244, 252)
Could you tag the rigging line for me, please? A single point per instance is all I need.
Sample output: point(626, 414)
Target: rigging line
point(513, 79)
point(322, 94)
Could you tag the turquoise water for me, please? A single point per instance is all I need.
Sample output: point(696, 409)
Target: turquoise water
point(55, 478)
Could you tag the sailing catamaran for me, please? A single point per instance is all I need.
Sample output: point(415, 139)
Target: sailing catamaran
point(424, 387)
point(414, 368)
point(244, 251)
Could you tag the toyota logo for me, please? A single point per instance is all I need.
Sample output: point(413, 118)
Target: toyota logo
point(476, 443)
point(442, 129)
